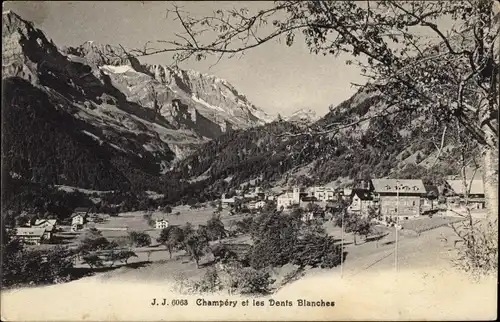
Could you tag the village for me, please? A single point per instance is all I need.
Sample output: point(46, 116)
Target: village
point(393, 201)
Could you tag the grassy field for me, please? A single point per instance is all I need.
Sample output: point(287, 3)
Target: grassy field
point(114, 227)
point(155, 264)
point(423, 224)
point(134, 221)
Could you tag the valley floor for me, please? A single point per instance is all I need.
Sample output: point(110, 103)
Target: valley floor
point(427, 286)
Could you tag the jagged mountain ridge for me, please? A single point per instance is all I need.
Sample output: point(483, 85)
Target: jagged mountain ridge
point(132, 113)
point(303, 116)
point(206, 96)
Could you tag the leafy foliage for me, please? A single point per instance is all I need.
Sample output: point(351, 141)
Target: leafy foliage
point(21, 266)
point(283, 238)
point(139, 239)
point(196, 246)
point(253, 281)
point(172, 237)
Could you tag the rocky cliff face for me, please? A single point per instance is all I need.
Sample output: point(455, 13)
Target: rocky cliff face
point(148, 115)
point(218, 104)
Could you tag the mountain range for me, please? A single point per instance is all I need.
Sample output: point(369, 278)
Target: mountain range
point(104, 99)
point(94, 117)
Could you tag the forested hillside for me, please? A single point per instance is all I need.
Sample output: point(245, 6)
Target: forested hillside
point(377, 147)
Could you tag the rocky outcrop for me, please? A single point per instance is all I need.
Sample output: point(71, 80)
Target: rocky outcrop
point(303, 117)
point(152, 112)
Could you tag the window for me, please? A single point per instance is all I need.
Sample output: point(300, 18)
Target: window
point(413, 203)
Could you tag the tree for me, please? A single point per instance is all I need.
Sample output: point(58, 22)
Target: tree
point(215, 229)
point(93, 260)
point(274, 235)
point(373, 213)
point(244, 226)
point(354, 223)
point(223, 254)
point(139, 239)
point(253, 281)
point(453, 77)
point(22, 266)
point(432, 195)
point(148, 217)
point(172, 237)
point(317, 250)
point(418, 158)
point(122, 255)
point(196, 246)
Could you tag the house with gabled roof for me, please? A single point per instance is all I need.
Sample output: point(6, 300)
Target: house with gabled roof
point(45, 223)
point(361, 201)
point(33, 236)
point(398, 197)
point(457, 191)
point(79, 218)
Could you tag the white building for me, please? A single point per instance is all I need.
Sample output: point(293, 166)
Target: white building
point(260, 204)
point(225, 202)
point(322, 193)
point(34, 236)
point(347, 191)
point(256, 204)
point(288, 199)
point(161, 223)
point(77, 219)
point(254, 194)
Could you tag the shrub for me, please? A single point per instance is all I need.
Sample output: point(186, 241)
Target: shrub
point(253, 281)
point(22, 267)
point(210, 282)
point(280, 239)
point(478, 250)
point(315, 250)
point(139, 239)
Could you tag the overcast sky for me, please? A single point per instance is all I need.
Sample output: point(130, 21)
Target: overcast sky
point(277, 78)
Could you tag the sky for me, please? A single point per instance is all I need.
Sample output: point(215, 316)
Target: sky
point(276, 78)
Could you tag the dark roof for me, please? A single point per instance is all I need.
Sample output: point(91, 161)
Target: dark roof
point(75, 214)
point(309, 198)
point(81, 209)
point(333, 204)
point(362, 194)
point(39, 222)
point(431, 188)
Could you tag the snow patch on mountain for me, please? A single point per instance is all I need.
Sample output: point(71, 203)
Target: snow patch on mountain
point(201, 101)
point(116, 69)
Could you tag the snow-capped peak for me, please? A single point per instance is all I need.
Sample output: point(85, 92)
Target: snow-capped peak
point(303, 115)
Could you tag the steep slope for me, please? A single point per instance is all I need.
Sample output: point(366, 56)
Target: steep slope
point(123, 123)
